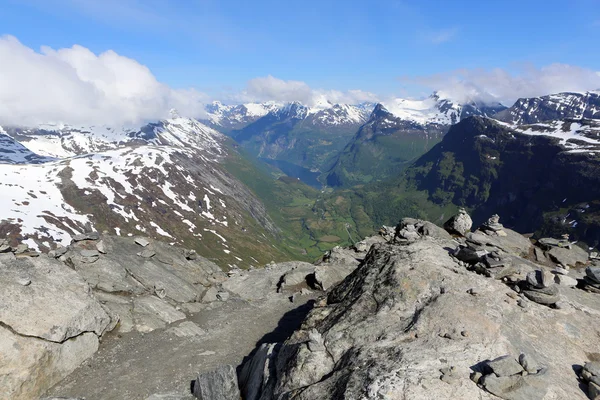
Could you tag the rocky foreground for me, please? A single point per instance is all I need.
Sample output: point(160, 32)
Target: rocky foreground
point(414, 313)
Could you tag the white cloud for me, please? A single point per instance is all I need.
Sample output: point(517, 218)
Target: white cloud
point(74, 85)
point(270, 88)
point(441, 36)
point(526, 81)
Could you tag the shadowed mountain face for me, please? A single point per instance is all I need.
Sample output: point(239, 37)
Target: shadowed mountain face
point(552, 107)
point(397, 134)
point(544, 176)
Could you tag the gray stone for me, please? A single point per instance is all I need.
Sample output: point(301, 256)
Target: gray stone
point(55, 307)
point(86, 236)
point(361, 246)
point(593, 367)
point(190, 254)
point(101, 247)
point(24, 281)
point(329, 275)
point(570, 257)
point(220, 384)
point(315, 341)
point(550, 290)
point(79, 237)
point(460, 223)
point(540, 279)
point(541, 298)
point(21, 248)
point(61, 250)
point(89, 253)
point(593, 390)
point(255, 373)
point(548, 243)
point(561, 271)
point(153, 275)
point(54, 324)
point(505, 366)
point(210, 295)
point(528, 363)
point(5, 247)
point(593, 273)
point(539, 255)
point(146, 253)
point(565, 280)
point(142, 242)
point(515, 387)
point(223, 296)
point(152, 313)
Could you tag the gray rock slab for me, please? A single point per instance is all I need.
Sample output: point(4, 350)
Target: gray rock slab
point(56, 306)
point(220, 384)
point(153, 275)
point(571, 257)
point(505, 366)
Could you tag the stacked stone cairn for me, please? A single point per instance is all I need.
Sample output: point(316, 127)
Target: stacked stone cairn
point(539, 287)
point(591, 375)
point(512, 379)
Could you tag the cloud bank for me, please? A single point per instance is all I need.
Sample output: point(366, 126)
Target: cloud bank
point(270, 88)
point(507, 87)
point(75, 86)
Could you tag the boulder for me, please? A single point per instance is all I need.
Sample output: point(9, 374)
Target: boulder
point(219, 384)
point(570, 257)
point(47, 327)
point(460, 223)
point(505, 366)
point(406, 314)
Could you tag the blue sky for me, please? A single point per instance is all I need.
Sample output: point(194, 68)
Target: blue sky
point(368, 45)
point(134, 59)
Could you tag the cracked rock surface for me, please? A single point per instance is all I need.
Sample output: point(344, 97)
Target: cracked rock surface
point(412, 323)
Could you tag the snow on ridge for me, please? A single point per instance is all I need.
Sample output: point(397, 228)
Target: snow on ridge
point(423, 111)
point(565, 131)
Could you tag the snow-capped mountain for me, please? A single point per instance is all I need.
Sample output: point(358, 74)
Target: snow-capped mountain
point(229, 117)
point(326, 114)
point(164, 180)
point(553, 107)
point(439, 109)
point(396, 133)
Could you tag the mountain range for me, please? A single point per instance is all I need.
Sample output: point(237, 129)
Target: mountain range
point(165, 180)
point(185, 182)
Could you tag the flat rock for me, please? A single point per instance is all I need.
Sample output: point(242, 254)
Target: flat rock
point(31, 366)
point(142, 242)
point(593, 273)
point(153, 275)
point(541, 298)
point(571, 257)
point(505, 366)
point(187, 329)
point(151, 313)
point(147, 253)
point(565, 280)
point(89, 253)
point(540, 279)
point(220, 384)
point(516, 387)
point(56, 306)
